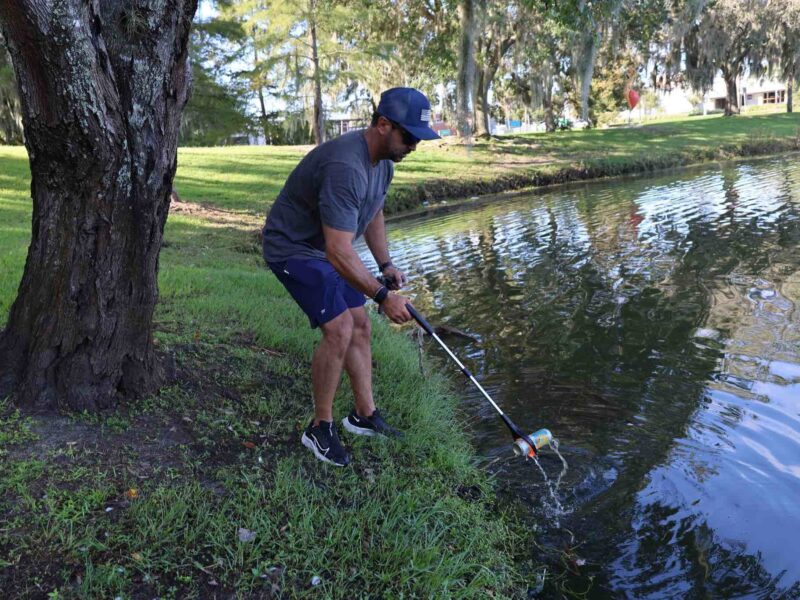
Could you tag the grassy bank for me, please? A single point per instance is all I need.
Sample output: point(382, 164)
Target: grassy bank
point(248, 178)
point(205, 491)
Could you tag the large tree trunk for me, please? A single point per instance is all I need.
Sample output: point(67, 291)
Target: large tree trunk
point(102, 86)
point(465, 84)
point(482, 104)
point(547, 101)
point(495, 51)
point(732, 103)
point(587, 73)
point(585, 55)
point(789, 89)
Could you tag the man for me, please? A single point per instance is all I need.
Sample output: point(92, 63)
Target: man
point(333, 196)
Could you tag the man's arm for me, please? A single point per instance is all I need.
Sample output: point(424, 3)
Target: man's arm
point(339, 251)
point(375, 236)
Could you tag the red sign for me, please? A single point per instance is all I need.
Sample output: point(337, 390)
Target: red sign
point(633, 98)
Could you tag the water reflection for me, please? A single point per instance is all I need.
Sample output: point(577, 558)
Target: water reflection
point(653, 326)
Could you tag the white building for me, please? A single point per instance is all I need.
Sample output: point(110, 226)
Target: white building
point(752, 92)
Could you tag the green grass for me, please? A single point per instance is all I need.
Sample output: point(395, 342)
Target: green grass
point(248, 179)
point(219, 451)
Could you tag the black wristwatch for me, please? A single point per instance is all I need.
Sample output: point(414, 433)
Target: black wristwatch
point(385, 265)
point(381, 294)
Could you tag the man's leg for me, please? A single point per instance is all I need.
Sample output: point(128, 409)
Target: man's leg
point(358, 362)
point(327, 363)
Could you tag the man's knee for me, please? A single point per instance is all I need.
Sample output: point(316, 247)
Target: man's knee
point(362, 326)
point(338, 332)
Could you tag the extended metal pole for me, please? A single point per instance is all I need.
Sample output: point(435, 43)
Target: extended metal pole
point(515, 431)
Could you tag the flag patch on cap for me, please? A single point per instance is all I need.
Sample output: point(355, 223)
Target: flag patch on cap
point(425, 114)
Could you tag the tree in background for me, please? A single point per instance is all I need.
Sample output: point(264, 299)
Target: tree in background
point(590, 23)
point(102, 86)
point(617, 72)
point(784, 46)
point(410, 42)
point(302, 51)
point(653, 31)
point(465, 80)
point(728, 36)
point(498, 35)
point(541, 63)
point(10, 107)
point(218, 109)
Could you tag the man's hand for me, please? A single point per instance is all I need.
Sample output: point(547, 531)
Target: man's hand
point(394, 277)
point(394, 307)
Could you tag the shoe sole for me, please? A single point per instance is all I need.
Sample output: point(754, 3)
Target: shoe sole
point(355, 429)
point(309, 443)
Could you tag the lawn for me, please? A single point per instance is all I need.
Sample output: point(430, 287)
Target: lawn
point(247, 178)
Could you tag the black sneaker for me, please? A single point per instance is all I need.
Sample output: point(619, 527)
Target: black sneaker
point(324, 442)
point(374, 425)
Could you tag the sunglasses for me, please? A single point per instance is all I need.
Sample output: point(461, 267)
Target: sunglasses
point(408, 138)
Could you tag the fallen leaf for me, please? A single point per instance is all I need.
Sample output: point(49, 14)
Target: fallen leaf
point(132, 494)
point(137, 556)
point(370, 474)
point(245, 535)
point(250, 445)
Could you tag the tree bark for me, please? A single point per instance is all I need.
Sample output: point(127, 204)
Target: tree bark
point(547, 101)
point(465, 84)
point(732, 101)
point(494, 54)
point(789, 90)
point(102, 86)
point(585, 47)
point(587, 72)
point(481, 104)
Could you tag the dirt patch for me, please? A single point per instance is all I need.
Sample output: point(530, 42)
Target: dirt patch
point(212, 214)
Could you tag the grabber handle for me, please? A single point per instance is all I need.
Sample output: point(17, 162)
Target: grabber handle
point(419, 319)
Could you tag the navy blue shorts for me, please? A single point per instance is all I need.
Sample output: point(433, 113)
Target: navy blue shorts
point(317, 288)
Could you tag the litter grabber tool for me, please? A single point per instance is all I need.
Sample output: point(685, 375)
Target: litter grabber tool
point(524, 445)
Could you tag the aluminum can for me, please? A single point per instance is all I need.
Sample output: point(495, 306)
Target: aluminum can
point(541, 438)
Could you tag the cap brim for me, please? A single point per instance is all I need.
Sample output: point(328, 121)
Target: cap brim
point(422, 133)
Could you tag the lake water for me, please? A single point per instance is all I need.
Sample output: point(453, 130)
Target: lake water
point(653, 325)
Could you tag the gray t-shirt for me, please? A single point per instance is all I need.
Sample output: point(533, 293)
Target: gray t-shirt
point(335, 184)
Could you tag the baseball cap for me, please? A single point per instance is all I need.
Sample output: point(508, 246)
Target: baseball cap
point(410, 109)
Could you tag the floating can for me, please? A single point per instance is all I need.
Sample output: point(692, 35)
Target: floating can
point(541, 438)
